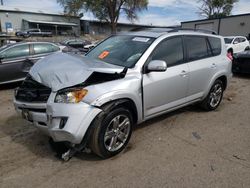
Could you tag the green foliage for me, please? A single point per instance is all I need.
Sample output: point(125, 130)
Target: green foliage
point(216, 8)
point(105, 10)
point(72, 7)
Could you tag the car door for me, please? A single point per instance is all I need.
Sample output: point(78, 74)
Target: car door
point(165, 90)
point(202, 65)
point(14, 63)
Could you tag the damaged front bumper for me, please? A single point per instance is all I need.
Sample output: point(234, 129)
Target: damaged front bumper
point(62, 122)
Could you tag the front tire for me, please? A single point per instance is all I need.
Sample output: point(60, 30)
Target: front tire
point(111, 135)
point(214, 97)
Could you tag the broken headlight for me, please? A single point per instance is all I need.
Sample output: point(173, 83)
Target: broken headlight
point(73, 95)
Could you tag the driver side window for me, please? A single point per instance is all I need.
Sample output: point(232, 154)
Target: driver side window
point(170, 51)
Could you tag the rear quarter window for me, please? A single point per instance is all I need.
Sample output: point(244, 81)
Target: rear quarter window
point(215, 44)
point(45, 48)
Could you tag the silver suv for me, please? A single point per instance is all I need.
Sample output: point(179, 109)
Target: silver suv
point(94, 101)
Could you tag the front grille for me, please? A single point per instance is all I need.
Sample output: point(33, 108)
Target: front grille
point(32, 91)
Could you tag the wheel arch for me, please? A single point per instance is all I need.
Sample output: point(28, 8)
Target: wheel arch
point(122, 102)
point(221, 76)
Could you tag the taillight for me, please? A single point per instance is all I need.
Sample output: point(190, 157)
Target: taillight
point(229, 55)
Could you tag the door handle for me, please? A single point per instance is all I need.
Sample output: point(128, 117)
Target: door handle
point(183, 73)
point(213, 66)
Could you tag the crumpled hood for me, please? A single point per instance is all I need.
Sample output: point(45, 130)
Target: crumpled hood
point(62, 70)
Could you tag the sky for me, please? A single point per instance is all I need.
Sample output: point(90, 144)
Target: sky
point(159, 12)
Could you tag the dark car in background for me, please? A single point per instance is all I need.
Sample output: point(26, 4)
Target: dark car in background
point(17, 59)
point(33, 32)
point(77, 44)
point(241, 62)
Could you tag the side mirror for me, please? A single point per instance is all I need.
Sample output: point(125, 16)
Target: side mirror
point(157, 66)
point(236, 42)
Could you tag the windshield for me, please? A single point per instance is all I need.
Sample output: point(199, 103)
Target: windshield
point(228, 40)
point(121, 50)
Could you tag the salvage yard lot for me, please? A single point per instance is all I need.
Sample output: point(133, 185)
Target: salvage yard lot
point(186, 148)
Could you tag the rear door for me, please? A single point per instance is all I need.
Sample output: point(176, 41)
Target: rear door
point(15, 64)
point(202, 61)
point(165, 90)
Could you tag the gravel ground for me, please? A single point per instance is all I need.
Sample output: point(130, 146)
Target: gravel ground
point(187, 148)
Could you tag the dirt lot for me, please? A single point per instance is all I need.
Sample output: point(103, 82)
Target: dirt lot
point(187, 148)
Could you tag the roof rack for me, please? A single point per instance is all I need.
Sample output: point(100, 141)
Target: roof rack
point(197, 30)
point(174, 29)
point(155, 29)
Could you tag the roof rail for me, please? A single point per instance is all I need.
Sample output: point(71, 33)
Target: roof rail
point(198, 30)
point(154, 29)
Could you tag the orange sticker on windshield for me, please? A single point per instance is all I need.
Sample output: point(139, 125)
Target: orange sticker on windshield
point(103, 54)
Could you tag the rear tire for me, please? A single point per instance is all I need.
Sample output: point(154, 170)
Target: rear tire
point(214, 97)
point(111, 133)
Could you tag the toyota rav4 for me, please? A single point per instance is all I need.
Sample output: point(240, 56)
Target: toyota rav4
point(94, 101)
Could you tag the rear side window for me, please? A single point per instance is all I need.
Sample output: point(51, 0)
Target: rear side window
point(170, 50)
point(17, 51)
point(44, 48)
point(215, 45)
point(242, 40)
point(197, 47)
point(237, 40)
point(54, 48)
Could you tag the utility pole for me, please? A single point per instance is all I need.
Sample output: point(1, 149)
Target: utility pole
point(1, 2)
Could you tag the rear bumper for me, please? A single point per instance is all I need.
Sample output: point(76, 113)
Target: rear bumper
point(62, 122)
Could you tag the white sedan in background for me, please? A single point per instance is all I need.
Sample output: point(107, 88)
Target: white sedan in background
point(236, 44)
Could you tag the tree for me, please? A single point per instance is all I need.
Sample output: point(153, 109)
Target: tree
point(216, 8)
point(106, 10)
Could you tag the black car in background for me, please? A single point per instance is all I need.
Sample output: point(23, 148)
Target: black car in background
point(17, 59)
point(77, 44)
point(241, 62)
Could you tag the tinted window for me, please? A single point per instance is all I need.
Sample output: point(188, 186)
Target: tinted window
point(76, 44)
point(215, 45)
point(236, 41)
point(197, 47)
point(170, 50)
point(242, 39)
point(16, 51)
point(54, 48)
point(44, 48)
point(228, 40)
